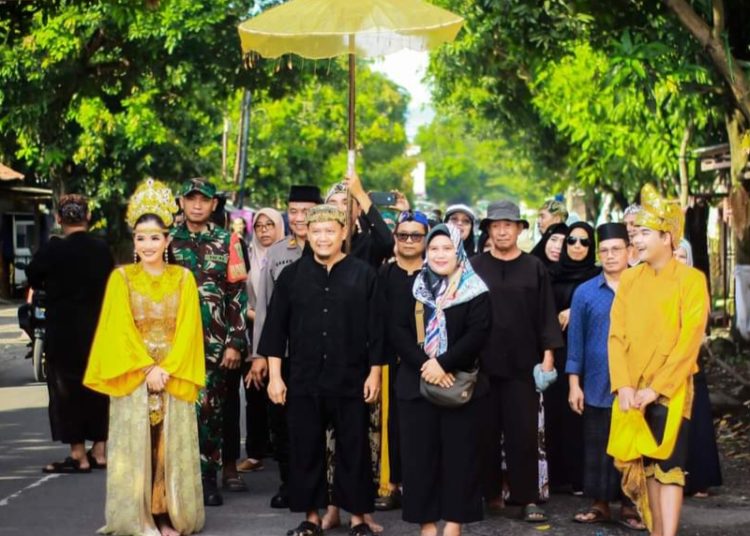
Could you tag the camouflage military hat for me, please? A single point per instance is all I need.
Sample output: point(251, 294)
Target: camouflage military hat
point(199, 185)
point(324, 213)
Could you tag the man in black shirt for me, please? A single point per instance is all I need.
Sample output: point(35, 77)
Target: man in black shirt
point(396, 281)
point(524, 333)
point(327, 308)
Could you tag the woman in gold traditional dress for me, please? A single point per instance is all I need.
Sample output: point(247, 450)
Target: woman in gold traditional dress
point(148, 357)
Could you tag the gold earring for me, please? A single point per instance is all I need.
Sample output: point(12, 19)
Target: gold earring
point(135, 257)
point(166, 256)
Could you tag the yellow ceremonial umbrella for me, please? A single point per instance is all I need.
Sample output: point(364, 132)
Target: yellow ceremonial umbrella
point(318, 29)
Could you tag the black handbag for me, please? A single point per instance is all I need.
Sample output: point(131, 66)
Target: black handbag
point(465, 381)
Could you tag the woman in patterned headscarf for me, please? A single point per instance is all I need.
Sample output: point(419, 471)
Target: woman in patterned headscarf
point(440, 445)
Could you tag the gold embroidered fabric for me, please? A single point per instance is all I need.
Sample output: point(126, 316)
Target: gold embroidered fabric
point(154, 301)
point(154, 463)
point(129, 472)
point(661, 214)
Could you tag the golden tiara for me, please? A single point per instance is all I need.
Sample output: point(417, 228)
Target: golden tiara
point(152, 197)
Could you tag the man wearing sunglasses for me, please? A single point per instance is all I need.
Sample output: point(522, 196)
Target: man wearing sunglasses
point(396, 280)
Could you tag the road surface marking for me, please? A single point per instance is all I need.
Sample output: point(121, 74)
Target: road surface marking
point(36, 484)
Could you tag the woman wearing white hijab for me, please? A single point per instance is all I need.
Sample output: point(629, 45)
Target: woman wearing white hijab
point(268, 228)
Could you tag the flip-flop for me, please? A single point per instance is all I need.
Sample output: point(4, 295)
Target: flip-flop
point(306, 529)
point(363, 529)
point(92, 461)
point(532, 510)
point(67, 467)
point(599, 517)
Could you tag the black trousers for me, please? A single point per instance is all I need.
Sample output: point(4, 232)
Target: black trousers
point(512, 415)
point(76, 413)
point(308, 418)
point(256, 418)
point(563, 429)
point(279, 429)
point(440, 450)
point(394, 432)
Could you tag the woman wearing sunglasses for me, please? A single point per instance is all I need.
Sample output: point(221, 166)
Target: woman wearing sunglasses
point(564, 428)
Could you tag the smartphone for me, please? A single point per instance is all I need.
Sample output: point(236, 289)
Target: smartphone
point(383, 199)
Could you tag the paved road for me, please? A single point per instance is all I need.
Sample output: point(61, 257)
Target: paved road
point(72, 505)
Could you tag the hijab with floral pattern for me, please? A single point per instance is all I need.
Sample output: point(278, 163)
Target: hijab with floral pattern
point(440, 292)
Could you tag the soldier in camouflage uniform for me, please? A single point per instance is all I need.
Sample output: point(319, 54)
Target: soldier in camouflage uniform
point(203, 248)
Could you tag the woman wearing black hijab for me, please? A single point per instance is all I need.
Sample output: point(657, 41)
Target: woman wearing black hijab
point(550, 247)
point(564, 428)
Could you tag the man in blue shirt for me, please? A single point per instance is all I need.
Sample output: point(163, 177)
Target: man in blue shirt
point(588, 364)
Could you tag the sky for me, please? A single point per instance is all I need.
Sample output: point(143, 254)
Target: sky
point(407, 68)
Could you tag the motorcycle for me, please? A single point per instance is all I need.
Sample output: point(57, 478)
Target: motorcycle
point(32, 320)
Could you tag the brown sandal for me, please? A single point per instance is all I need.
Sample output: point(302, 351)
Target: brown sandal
point(596, 516)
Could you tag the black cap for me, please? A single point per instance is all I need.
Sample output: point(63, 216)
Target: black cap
point(304, 194)
point(608, 231)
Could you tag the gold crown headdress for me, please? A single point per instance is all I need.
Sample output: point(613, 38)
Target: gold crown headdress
point(152, 197)
point(661, 214)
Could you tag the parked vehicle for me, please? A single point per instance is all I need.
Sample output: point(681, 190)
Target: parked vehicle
point(32, 320)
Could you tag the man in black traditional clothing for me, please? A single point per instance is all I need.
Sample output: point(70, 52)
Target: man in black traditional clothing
point(525, 331)
point(328, 309)
point(73, 271)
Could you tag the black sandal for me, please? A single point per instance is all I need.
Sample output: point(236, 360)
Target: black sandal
point(234, 483)
point(363, 529)
point(388, 502)
point(306, 528)
point(92, 461)
point(67, 467)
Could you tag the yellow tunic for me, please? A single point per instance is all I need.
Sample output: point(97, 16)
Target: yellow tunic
point(658, 322)
point(153, 464)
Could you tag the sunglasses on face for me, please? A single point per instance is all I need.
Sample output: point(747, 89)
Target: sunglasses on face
point(572, 240)
point(414, 237)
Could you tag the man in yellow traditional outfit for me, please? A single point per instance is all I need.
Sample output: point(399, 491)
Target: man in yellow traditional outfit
point(658, 320)
point(148, 357)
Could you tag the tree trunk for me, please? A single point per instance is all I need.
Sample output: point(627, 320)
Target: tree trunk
point(684, 176)
point(711, 40)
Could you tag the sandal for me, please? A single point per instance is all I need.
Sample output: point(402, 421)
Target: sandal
point(67, 467)
point(534, 514)
point(590, 516)
point(363, 529)
point(234, 483)
point(306, 528)
point(632, 522)
point(391, 501)
point(92, 461)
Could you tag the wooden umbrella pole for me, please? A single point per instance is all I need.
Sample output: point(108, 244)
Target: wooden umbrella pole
point(351, 155)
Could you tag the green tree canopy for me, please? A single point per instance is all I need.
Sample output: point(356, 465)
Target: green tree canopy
point(301, 138)
point(96, 95)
